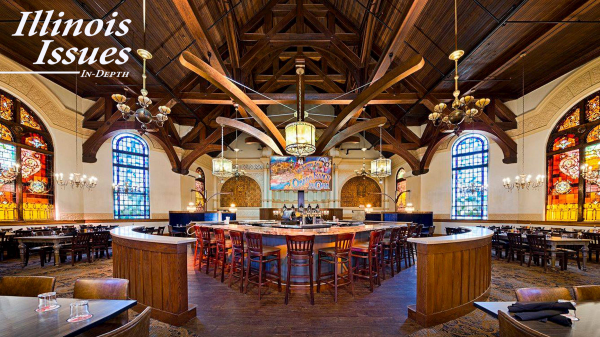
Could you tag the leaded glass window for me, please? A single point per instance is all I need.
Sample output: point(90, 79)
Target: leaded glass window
point(29, 196)
point(575, 141)
point(131, 177)
point(400, 190)
point(470, 166)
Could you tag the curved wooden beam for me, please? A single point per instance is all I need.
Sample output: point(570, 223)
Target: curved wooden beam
point(217, 79)
point(395, 146)
point(264, 138)
point(352, 130)
point(205, 146)
point(412, 65)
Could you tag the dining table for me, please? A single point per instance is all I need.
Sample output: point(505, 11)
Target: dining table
point(586, 311)
point(19, 318)
point(56, 240)
point(556, 242)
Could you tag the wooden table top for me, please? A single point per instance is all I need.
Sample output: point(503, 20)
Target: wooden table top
point(587, 312)
point(19, 318)
point(556, 239)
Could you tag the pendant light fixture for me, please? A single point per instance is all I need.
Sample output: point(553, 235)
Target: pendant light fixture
point(300, 135)
point(523, 181)
point(363, 171)
point(143, 115)
point(236, 172)
point(221, 166)
point(381, 167)
point(465, 108)
point(76, 180)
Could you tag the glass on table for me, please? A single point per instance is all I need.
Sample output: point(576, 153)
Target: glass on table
point(79, 312)
point(47, 302)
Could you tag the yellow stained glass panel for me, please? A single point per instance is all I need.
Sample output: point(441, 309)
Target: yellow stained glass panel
point(592, 109)
point(5, 133)
point(570, 121)
point(6, 108)
point(28, 120)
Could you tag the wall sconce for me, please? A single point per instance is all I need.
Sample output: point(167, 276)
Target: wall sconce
point(369, 208)
point(409, 207)
point(232, 208)
point(191, 207)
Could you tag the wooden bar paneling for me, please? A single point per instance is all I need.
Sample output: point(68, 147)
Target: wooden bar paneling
point(451, 276)
point(157, 274)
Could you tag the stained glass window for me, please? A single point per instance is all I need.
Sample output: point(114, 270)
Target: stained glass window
point(27, 119)
point(6, 108)
point(565, 142)
point(570, 121)
point(469, 166)
point(35, 140)
point(563, 182)
point(5, 133)
point(200, 188)
point(36, 179)
point(594, 135)
point(131, 176)
point(400, 190)
point(592, 109)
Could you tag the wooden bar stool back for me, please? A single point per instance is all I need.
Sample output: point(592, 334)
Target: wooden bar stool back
point(222, 252)
point(412, 228)
point(300, 254)
point(207, 246)
point(261, 255)
point(237, 258)
point(369, 253)
point(402, 247)
point(390, 246)
point(339, 256)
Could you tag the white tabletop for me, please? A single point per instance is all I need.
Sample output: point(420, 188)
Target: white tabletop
point(475, 233)
point(126, 232)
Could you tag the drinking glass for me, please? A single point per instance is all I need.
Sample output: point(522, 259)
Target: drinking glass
point(79, 312)
point(47, 302)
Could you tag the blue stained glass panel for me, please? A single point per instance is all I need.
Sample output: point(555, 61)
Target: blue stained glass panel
point(470, 165)
point(131, 176)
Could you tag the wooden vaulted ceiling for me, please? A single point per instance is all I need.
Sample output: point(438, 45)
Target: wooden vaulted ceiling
point(346, 44)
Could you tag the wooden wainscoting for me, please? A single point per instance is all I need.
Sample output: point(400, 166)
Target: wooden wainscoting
point(450, 278)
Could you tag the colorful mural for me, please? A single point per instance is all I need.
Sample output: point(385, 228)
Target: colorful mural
point(301, 174)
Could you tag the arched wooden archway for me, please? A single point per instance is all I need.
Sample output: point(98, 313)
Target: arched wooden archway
point(360, 191)
point(245, 192)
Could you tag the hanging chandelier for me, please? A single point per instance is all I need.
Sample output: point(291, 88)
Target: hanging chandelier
point(76, 180)
point(523, 181)
point(299, 135)
point(465, 108)
point(381, 167)
point(143, 114)
point(126, 188)
point(221, 166)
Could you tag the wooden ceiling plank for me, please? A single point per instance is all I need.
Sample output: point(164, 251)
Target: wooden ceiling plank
point(282, 70)
point(397, 42)
point(253, 23)
point(203, 69)
point(96, 110)
point(317, 70)
point(504, 112)
point(410, 66)
point(290, 98)
point(191, 16)
point(231, 37)
point(367, 34)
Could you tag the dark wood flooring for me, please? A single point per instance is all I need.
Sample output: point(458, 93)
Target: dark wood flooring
point(224, 311)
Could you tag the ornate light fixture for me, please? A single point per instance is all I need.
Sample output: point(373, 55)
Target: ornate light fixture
point(381, 167)
point(409, 207)
point(465, 108)
point(221, 166)
point(232, 208)
point(363, 171)
point(76, 180)
point(127, 188)
point(299, 135)
point(236, 172)
point(143, 114)
point(523, 181)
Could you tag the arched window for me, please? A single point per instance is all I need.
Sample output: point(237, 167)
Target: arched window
point(400, 190)
point(131, 177)
point(200, 188)
point(470, 168)
point(575, 140)
point(25, 143)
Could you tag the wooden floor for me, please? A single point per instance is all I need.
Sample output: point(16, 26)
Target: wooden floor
point(224, 311)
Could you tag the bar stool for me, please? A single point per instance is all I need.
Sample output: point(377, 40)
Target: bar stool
point(412, 228)
point(207, 246)
point(369, 253)
point(222, 252)
point(237, 258)
point(338, 256)
point(390, 245)
point(402, 247)
point(299, 254)
point(262, 255)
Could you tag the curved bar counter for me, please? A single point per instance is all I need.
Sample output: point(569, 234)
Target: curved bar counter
point(324, 237)
point(453, 272)
point(156, 267)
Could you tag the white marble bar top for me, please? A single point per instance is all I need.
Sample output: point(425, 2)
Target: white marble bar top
point(308, 231)
point(127, 233)
point(473, 234)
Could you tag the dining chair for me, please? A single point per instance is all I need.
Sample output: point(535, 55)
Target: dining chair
point(587, 293)
point(538, 247)
point(99, 243)
point(261, 255)
point(238, 255)
point(103, 289)
point(138, 327)
point(27, 286)
point(543, 294)
point(518, 247)
point(299, 254)
point(390, 246)
point(80, 244)
point(369, 253)
point(223, 247)
point(510, 327)
point(594, 245)
point(338, 256)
